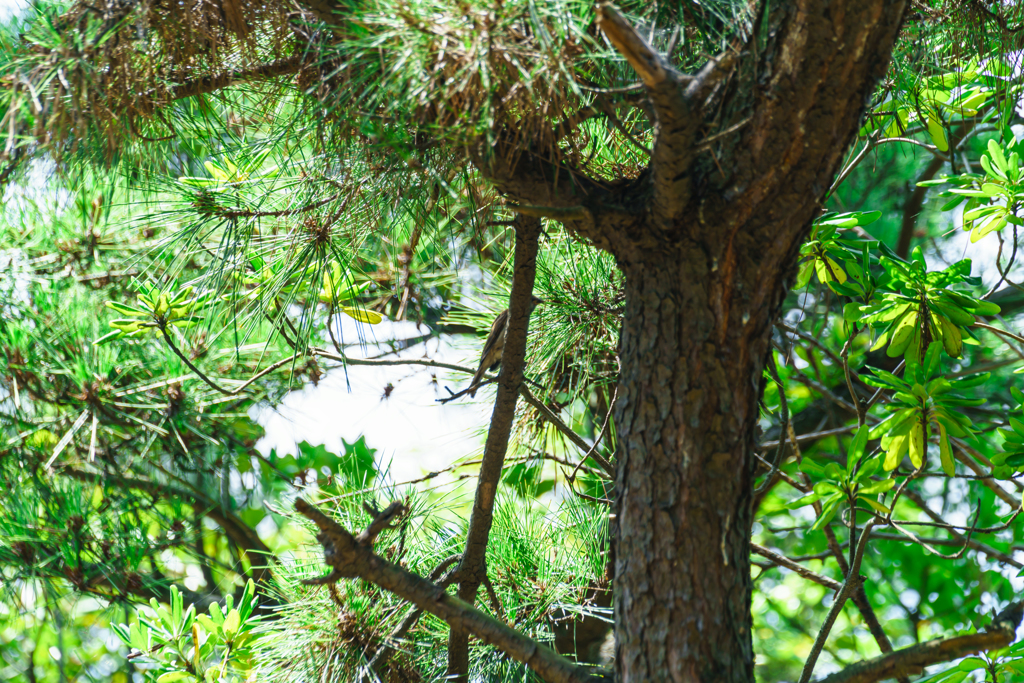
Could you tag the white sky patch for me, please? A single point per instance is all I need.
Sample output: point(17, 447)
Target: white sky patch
point(414, 434)
point(9, 7)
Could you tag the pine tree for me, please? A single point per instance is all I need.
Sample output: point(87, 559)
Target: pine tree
point(656, 173)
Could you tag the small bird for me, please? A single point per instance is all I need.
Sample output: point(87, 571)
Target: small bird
point(490, 359)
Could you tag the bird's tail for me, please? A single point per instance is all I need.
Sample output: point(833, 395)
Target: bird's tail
point(476, 382)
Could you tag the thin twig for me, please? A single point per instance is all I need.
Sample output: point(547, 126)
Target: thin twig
point(597, 441)
point(564, 429)
point(853, 580)
point(769, 479)
point(783, 561)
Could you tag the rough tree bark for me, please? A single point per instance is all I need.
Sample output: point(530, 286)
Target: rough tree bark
point(707, 239)
point(687, 407)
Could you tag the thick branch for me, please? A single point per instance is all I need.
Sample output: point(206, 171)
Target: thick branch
point(676, 109)
point(913, 660)
point(208, 84)
point(645, 60)
point(349, 559)
point(472, 567)
point(805, 96)
point(548, 188)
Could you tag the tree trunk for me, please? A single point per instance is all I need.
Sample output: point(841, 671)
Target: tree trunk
point(744, 152)
point(687, 412)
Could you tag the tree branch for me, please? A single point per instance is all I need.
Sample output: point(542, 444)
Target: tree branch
point(550, 416)
point(677, 100)
point(349, 559)
point(969, 542)
point(783, 561)
point(913, 660)
point(472, 567)
point(652, 68)
point(208, 84)
point(853, 581)
point(444, 578)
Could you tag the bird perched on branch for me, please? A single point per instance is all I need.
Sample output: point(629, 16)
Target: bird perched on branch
point(490, 359)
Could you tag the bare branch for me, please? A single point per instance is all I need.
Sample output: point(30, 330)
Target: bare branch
point(472, 568)
point(382, 519)
point(913, 660)
point(208, 84)
point(350, 559)
point(567, 431)
point(783, 561)
point(853, 581)
point(967, 541)
point(652, 68)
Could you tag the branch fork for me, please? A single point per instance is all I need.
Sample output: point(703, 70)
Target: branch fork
point(350, 558)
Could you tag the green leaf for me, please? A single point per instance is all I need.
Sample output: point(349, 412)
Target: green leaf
point(198, 182)
point(125, 309)
point(937, 132)
point(362, 315)
point(856, 450)
point(852, 312)
point(803, 500)
point(809, 466)
point(878, 507)
point(828, 512)
point(825, 488)
point(231, 624)
point(804, 274)
point(996, 154)
point(992, 224)
point(216, 613)
point(876, 487)
point(172, 676)
point(895, 447)
point(903, 333)
point(140, 637)
point(917, 445)
point(109, 337)
point(945, 452)
point(951, 204)
point(207, 623)
point(972, 664)
point(986, 308)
